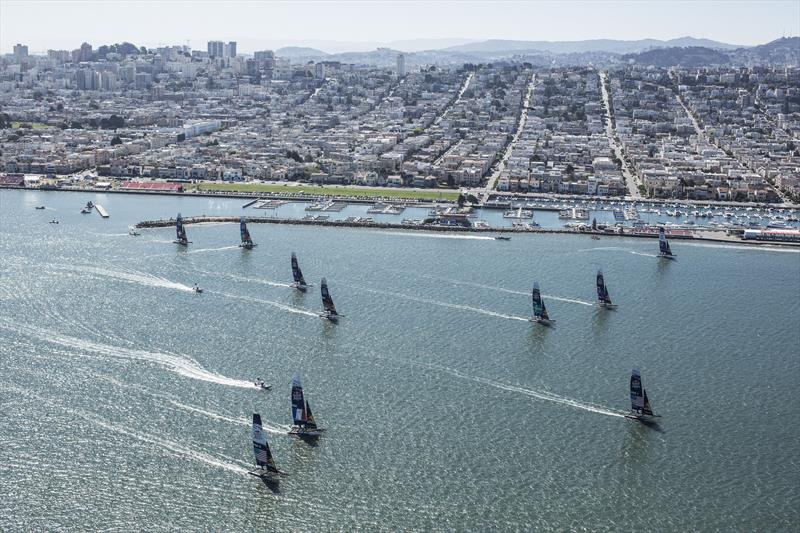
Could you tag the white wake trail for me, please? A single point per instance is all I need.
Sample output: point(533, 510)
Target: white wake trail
point(447, 305)
point(541, 395)
point(272, 303)
point(129, 276)
point(182, 365)
point(204, 250)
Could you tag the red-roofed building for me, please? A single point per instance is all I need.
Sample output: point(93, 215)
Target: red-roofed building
point(152, 186)
point(12, 180)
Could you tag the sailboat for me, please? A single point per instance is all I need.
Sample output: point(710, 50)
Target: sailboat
point(265, 464)
point(640, 405)
point(304, 423)
point(663, 245)
point(327, 304)
point(247, 242)
point(603, 299)
point(540, 315)
point(297, 274)
point(180, 232)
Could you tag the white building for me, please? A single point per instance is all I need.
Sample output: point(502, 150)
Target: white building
point(401, 65)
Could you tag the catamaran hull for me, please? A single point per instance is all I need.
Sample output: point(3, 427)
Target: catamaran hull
point(543, 321)
point(247, 246)
point(266, 475)
point(607, 306)
point(301, 288)
point(330, 317)
point(182, 243)
point(306, 433)
point(671, 257)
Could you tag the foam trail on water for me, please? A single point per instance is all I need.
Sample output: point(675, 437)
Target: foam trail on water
point(277, 305)
point(247, 280)
point(203, 250)
point(541, 395)
point(448, 305)
point(759, 248)
point(616, 249)
point(182, 365)
point(503, 289)
point(175, 448)
point(270, 427)
point(569, 300)
point(130, 276)
point(435, 236)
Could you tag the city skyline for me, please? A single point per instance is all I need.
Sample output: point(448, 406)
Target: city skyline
point(355, 26)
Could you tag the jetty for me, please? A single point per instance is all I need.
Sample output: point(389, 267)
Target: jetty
point(432, 225)
point(101, 210)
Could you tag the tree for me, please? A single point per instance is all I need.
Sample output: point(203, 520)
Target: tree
point(116, 140)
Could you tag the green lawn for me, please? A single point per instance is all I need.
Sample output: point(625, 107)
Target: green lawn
point(329, 191)
point(33, 125)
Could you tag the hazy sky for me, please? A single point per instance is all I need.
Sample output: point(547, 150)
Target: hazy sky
point(44, 24)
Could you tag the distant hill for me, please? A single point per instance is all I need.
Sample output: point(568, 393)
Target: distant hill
point(593, 45)
point(300, 53)
point(784, 51)
point(689, 56)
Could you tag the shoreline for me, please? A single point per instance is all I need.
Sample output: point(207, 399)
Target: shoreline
point(422, 202)
point(164, 223)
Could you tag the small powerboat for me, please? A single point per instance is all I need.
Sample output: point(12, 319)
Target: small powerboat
point(502, 238)
point(260, 385)
point(39, 207)
point(54, 221)
point(197, 289)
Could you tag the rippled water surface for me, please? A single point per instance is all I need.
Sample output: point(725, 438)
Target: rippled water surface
point(125, 397)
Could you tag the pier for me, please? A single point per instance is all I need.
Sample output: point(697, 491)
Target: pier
point(101, 210)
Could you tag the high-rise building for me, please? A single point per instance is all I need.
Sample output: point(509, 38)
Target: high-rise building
point(216, 49)
point(319, 71)
point(20, 50)
point(84, 79)
point(86, 52)
point(232, 49)
point(401, 65)
point(60, 56)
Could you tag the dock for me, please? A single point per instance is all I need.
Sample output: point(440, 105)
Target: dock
point(101, 210)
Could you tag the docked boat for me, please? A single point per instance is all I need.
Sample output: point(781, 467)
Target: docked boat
point(540, 315)
point(180, 232)
point(247, 242)
point(640, 405)
point(89, 205)
point(84, 211)
point(304, 424)
point(297, 274)
point(663, 245)
point(603, 298)
point(329, 310)
point(265, 464)
point(518, 213)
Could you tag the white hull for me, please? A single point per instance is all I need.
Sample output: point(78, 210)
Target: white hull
point(248, 246)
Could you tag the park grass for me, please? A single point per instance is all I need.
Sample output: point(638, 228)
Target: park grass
point(33, 125)
point(433, 194)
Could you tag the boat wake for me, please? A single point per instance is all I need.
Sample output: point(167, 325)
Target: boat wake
point(616, 249)
point(436, 236)
point(568, 300)
point(205, 250)
point(130, 276)
point(759, 248)
point(173, 448)
point(185, 366)
point(448, 305)
point(247, 280)
point(503, 289)
point(541, 395)
point(272, 303)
